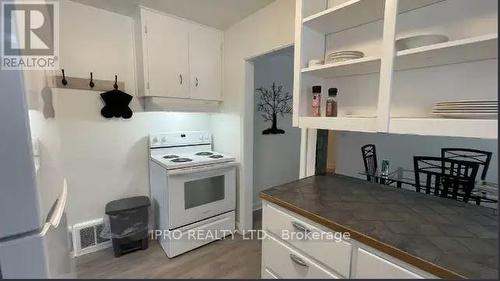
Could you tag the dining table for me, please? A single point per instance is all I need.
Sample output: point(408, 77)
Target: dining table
point(483, 190)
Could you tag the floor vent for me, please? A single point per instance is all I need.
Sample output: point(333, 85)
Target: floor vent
point(87, 239)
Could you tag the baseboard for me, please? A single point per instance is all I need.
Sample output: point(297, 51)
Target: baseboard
point(257, 205)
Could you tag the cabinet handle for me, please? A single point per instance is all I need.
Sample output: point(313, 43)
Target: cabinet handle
point(196, 82)
point(180, 79)
point(300, 227)
point(298, 260)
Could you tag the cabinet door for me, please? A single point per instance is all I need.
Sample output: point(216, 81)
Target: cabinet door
point(374, 267)
point(287, 262)
point(205, 58)
point(167, 43)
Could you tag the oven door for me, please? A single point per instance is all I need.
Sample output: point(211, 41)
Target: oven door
point(195, 194)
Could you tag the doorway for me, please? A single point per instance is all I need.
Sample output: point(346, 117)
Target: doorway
point(276, 143)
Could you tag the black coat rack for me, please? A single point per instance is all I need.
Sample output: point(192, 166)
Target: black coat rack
point(90, 84)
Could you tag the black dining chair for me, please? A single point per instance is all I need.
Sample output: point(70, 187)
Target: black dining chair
point(481, 157)
point(445, 177)
point(369, 154)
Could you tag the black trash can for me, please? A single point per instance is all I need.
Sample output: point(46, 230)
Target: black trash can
point(128, 222)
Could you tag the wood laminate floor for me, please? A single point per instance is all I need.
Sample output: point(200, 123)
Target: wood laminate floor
point(229, 258)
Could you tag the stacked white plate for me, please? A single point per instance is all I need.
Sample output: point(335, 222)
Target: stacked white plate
point(466, 109)
point(339, 56)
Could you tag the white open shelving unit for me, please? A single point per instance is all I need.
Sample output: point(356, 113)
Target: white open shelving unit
point(458, 51)
point(376, 92)
point(366, 65)
point(355, 13)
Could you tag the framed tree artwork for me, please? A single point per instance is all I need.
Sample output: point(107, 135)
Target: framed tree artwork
point(273, 102)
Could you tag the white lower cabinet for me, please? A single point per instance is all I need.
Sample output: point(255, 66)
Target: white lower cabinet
point(269, 274)
point(289, 263)
point(371, 266)
point(334, 254)
point(287, 256)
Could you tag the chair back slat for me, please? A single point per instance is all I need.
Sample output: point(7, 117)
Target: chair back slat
point(428, 184)
point(483, 158)
point(445, 177)
point(438, 185)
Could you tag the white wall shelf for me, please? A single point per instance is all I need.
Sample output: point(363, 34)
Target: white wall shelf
point(360, 124)
point(366, 65)
point(458, 51)
point(355, 13)
point(474, 128)
point(407, 83)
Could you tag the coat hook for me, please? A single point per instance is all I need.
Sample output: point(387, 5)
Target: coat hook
point(116, 82)
point(64, 81)
point(91, 84)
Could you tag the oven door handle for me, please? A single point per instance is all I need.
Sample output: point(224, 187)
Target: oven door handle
point(203, 168)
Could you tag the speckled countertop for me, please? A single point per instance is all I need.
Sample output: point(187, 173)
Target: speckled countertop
point(447, 238)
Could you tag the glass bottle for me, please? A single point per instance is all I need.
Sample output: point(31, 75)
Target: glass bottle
point(316, 101)
point(331, 103)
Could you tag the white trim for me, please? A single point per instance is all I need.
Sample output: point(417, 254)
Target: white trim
point(245, 220)
point(303, 153)
point(387, 66)
point(273, 50)
point(312, 137)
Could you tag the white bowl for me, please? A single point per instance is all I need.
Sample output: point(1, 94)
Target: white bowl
point(419, 41)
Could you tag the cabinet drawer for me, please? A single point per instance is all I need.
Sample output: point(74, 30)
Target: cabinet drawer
point(289, 263)
point(269, 274)
point(332, 253)
point(372, 266)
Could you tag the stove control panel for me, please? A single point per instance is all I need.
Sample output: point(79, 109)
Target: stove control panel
point(179, 139)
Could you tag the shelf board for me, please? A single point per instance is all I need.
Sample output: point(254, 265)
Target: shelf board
point(470, 128)
point(451, 52)
point(355, 13)
point(366, 65)
point(359, 124)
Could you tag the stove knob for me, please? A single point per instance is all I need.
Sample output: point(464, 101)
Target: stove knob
point(201, 138)
point(163, 140)
point(155, 140)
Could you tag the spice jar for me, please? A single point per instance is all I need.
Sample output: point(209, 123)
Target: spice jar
point(331, 103)
point(316, 101)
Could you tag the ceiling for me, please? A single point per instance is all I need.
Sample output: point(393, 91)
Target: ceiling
point(220, 14)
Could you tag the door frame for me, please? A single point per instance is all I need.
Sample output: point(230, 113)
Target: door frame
point(307, 142)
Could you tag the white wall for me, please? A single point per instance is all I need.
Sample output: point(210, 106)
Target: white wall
point(104, 159)
point(400, 149)
point(276, 158)
point(270, 28)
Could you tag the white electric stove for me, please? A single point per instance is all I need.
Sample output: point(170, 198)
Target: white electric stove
point(193, 189)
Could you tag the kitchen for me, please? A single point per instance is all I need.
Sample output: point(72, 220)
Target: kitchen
point(104, 160)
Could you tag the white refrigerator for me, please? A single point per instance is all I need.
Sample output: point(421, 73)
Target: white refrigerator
point(34, 237)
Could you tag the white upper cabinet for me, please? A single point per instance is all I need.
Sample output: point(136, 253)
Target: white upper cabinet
point(205, 49)
point(167, 46)
point(177, 58)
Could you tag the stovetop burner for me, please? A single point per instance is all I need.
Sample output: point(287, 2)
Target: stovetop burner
point(216, 156)
point(172, 156)
point(204, 153)
point(180, 160)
